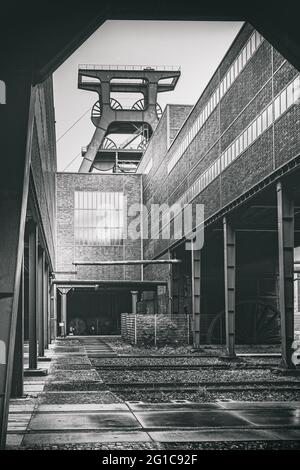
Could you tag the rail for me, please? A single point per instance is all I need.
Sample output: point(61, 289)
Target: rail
point(147, 68)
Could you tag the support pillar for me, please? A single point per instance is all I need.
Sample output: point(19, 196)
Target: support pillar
point(230, 281)
point(285, 213)
point(134, 299)
point(46, 305)
point(33, 289)
point(53, 312)
point(64, 308)
point(196, 293)
point(14, 184)
point(17, 386)
point(40, 312)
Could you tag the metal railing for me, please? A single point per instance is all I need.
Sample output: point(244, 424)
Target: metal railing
point(148, 67)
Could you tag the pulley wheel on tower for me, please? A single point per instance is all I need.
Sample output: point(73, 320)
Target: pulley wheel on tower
point(97, 110)
point(140, 106)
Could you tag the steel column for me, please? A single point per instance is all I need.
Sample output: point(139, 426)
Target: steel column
point(64, 307)
point(196, 295)
point(14, 183)
point(53, 312)
point(17, 389)
point(285, 211)
point(134, 299)
point(46, 305)
point(40, 311)
point(33, 294)
point(229, 274)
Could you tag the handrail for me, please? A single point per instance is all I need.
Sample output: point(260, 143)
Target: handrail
point(145, 68)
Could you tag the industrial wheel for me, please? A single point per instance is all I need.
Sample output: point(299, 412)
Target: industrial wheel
point(256, 322)
point(96, 112)
point(140, 106)
point(108, 144)
point(77, 326)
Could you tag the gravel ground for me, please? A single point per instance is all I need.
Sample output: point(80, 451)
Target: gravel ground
point(121, 347)
point(184, 361)
point(191, 376)
point(161, 446)
point(75, 398)
point(74, 386)
point(74, 375)
point(71, 359)
point(203, 396)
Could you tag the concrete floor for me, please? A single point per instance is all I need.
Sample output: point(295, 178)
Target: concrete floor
point(59, 411)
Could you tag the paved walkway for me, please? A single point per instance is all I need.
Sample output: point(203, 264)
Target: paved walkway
point(73, 408)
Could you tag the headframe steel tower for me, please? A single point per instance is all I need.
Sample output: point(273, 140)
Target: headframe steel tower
point(110, 117)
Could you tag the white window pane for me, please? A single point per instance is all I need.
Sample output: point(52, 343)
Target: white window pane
point(277, 107)
point(264, 121)
point(290, 95)
point(283, 100)
point(254, 130)
point(270, 114)
point(258, 125)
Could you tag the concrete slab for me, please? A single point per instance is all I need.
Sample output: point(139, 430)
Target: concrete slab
point(245, 405)
point(271, 417)
point(171, 406)
point(287, 434)
point(33, 388)
point(14, 440)
point(189, 419)
point(87, 421)
point(27, 407)
point(211, 435)
point(43, 439)
point(83, 407)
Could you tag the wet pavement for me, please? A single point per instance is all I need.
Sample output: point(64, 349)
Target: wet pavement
point(48, 418)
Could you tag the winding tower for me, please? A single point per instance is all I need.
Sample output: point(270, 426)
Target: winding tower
point(125, 114)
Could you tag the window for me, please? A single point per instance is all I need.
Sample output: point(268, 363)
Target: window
point(2, 92)
point(249, 135)
point(277, 107)
point(264, 121)
point(283, 102)
point(270, 114)
point(98, 218)
point(258, 125)
point(254, 130)
point(290, 96)
point(245, 138)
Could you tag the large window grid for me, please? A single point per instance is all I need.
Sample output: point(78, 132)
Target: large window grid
point(98, 218)
point(246, 53)
point(287, 97)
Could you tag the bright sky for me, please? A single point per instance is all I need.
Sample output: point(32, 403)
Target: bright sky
point(197, 47)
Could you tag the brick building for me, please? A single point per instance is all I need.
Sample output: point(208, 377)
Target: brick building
point(236, 152)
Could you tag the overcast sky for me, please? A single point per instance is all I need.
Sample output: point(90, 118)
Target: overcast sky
point(197, 47)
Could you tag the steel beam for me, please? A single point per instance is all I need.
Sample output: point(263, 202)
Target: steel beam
point(285, 212)
point(127, 262)
point(46, 304)
point(41, 305)
point(196, 295)
point(33, 294)
point(14, 183)
point(229, 273)
point(17, 386)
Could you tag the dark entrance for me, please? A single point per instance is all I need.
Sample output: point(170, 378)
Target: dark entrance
point(97, 312)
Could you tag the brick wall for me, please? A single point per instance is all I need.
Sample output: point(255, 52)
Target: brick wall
point(67, 252)
point(264, 75)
